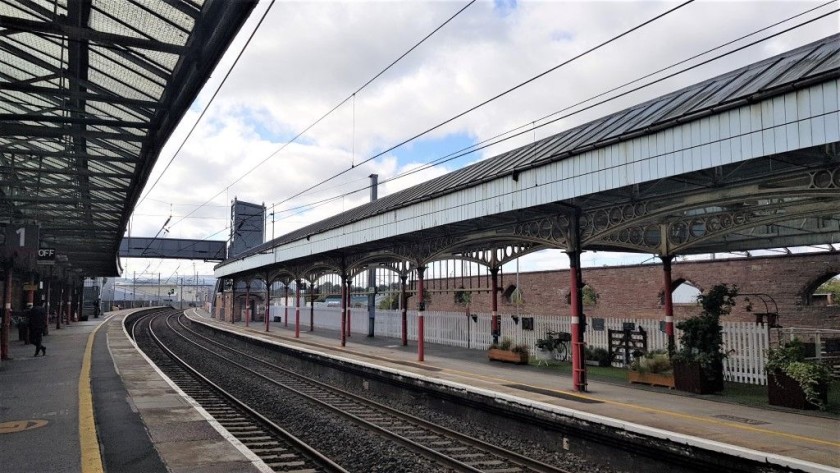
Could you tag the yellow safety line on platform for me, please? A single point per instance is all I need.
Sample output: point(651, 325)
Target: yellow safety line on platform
point(709, 420)
point(91, 459)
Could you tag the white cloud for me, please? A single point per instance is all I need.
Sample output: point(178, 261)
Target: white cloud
point(308, 56)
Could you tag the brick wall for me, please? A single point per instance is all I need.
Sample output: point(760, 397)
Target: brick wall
point(635, 291)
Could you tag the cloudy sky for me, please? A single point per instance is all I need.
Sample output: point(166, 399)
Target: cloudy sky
point(309, 56)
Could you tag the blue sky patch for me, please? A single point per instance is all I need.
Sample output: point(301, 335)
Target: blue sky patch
point(426, 150)
point(504, 7)
point(260, 122)
point(562, 36)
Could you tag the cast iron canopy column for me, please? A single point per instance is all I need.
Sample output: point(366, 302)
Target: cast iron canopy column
point(421, 308)
point(578, 320)
point(297, 308)
point(267, 299)
point(669, 304)
point(343, 308)
point(403, 308)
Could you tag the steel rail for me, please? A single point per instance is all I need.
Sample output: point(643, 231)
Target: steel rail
point(278, 448)
point(374, 412)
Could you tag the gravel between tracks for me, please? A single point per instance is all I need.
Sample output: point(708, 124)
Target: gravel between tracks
point(355, 448)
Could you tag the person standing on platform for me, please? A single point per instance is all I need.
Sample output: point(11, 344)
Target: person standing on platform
point(37, 325)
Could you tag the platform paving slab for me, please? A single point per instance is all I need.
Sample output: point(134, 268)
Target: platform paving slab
point(178, 429)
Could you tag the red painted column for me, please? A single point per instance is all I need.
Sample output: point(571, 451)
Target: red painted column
point(267, 301)
point(286, 306)
point(7, 315)
point(297, 308)
point(30, 294)
point(232, 307)
point(343, 309)
point(247, 303)
point(48, 303)
point(403, 304)
point(60, 309)
point(312, 308)
point(669, 303)
point(578, 366)
point(495, 320)
point(578, 319)
point(69, 303)
point(421, 308)
point(349, 306)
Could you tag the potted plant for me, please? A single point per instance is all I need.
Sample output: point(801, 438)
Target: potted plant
point(463, 298)
point(653, 368)
point(793, 381)
point(597, 356)
point(509, 353)
point(698, 365)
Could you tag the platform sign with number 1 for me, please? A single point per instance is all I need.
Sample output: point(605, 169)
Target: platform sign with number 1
point(21, 246)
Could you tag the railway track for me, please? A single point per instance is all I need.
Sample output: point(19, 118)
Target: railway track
point(439, 444)
point(277, 448)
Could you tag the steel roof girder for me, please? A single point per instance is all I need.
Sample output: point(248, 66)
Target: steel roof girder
point(85, 34)
point(187, 8)
point(33, 117)
point(15, 129)
point(88, 96)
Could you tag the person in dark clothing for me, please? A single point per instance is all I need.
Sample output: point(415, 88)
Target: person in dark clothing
point(37, 326)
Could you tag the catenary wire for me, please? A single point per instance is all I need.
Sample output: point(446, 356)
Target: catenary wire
point(491, 99)
point(336, 107)
point(474, 147)
point(488, 142)
point(499, 138)
point(207, 107)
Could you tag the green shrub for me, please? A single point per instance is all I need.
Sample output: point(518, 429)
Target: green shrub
point(702, 335)
point(601, 355)
point(790, 359)
point(652, 363)
point(521, 349)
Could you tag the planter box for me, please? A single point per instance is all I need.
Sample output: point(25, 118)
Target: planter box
point(507, 356)
point(690, 377)
point(782, 390)
point(653, 379)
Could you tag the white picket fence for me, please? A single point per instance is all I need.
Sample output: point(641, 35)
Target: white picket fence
point(744, 342)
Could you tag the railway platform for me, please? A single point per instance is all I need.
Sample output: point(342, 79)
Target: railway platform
point(94, 403)
point(806, 441)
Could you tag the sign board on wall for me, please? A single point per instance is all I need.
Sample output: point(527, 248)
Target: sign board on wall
point(46, 256)
point(21, 246)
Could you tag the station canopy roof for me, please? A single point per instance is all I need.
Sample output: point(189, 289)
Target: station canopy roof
point(90, 90)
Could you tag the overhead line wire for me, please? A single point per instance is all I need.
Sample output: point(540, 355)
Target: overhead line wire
point(224, 79)
point(316, 122)
point(444, 159)
point(468, 150)
point(490, 141)
point(497, 96)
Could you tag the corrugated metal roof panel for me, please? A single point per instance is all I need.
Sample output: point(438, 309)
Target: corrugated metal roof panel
point(831, 63)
